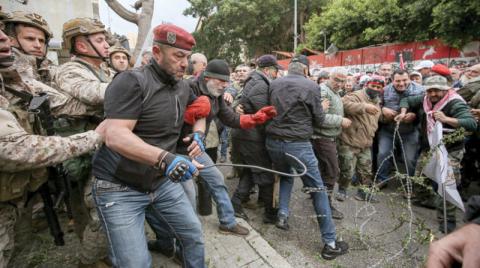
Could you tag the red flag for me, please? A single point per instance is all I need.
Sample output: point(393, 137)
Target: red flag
point(402, 64)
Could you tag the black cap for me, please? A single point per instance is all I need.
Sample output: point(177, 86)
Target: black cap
point(300, 58)
point(268, 60)
point(217, 69)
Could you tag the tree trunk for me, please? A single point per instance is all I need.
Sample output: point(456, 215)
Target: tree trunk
point(142, 20)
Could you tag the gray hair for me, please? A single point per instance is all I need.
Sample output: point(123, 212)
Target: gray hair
point(338, 70)
point(297, 68)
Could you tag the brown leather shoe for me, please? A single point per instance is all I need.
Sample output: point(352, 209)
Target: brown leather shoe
point(237, 230)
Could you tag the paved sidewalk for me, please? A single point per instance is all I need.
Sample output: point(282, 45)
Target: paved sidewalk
point(231, 251)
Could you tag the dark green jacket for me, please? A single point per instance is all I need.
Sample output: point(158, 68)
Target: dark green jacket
point(455, 108)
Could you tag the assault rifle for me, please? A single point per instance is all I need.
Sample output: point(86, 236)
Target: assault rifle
point(56, 174)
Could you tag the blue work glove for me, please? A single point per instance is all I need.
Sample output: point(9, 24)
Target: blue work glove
point(199, 137)
point(179, 168)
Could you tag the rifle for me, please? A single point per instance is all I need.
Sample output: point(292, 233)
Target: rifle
point(57, 174)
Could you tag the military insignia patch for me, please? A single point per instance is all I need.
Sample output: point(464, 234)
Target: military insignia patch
point(171, 38)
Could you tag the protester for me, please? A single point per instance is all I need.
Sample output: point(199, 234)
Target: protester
point(298, 102)
point(440, 103)
point(362, 108)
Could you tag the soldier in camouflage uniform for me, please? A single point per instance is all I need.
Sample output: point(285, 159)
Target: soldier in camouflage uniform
point(85, 79)
point(354, 147)
point(24, 155)
point(119, 58)
point(440, 103)
point(30, 34)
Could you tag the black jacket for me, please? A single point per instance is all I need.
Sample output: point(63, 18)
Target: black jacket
point(219, 108)
point(254, 97)
point(299, 108)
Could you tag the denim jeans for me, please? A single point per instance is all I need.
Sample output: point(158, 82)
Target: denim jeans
point(304, 152)
point(385, 142)
point(122, 213)
point(224, 141)
point(217, 189)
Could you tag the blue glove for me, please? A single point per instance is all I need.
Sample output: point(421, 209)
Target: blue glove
point(179, 168)
point(199, 137)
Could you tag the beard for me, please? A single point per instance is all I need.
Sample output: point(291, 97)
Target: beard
point(213, 89)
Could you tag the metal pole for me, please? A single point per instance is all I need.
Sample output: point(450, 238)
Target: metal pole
point(444, 208)
point(295, 27)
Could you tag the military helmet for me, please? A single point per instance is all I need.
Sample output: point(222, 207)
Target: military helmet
point(118, 48)
point(30, 19)
point(80, 26)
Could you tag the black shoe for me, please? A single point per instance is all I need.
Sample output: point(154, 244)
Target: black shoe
point(282, 223)
point(329, 253)
point(364, 196)
point(451, 226)
point(223, 159)
point(173, 253)
point(239, 212)
point(336, 214)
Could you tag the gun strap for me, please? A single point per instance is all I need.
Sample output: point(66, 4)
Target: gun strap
point(25, 96)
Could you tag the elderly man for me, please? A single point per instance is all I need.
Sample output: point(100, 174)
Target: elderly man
point(119, 58)
point(441, 104)
point(400, 88)
point(198, 63)
point(386, 70)
point(324, 137)
point(424, 68)
point(138, 167)
point(298, 102)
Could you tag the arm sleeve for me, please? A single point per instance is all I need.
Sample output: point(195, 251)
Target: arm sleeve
point(331, 120)
point(464, 116)
point(226, 114)
point(314, 100)
point(352, 107)
point(412, 102)
point(80, 84)
point(22, 151)
point(123, 98)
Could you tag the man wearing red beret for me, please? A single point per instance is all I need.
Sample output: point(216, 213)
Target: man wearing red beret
point(137, 168)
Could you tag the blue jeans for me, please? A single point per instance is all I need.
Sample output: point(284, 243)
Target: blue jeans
point(224, 141)
point(122, 213)
point(385, 143)
point(217, 189)
point(304, 152)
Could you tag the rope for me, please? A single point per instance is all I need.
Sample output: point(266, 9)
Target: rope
point(266, 169)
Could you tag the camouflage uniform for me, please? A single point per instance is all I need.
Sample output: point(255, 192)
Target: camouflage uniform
point(86, 84)
point(354, 160)
point(23, 157)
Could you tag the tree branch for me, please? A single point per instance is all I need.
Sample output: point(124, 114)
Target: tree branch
point(122, 11)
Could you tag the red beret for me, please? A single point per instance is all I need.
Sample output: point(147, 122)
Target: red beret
point(441, 70)
point(174, 36)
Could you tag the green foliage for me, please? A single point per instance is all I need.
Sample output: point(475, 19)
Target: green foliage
point(352, 24)
point(236, 29)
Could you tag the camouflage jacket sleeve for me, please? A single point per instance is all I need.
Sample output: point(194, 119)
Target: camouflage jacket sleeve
point(22, 151)
point(79, 82)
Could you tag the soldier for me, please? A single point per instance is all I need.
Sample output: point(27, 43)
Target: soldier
point(29, 34)
point(24, 155)
point(85, 79)
point(440, 103)
point(119, 58)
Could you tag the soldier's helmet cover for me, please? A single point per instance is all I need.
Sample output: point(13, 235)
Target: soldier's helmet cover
point(118, 48)
point(80, 26)
point(28, 18)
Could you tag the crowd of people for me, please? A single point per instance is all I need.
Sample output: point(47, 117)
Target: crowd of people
point(133, 142)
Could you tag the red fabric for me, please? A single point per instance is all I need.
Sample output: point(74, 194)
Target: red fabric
point(402, 63)
point(198, 109)
point(441, 69)
point(174, 36)
point(260, 117)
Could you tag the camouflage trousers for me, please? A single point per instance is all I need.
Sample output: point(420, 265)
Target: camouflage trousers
point(354, 160)
point(426, 194)
point(8, 218)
